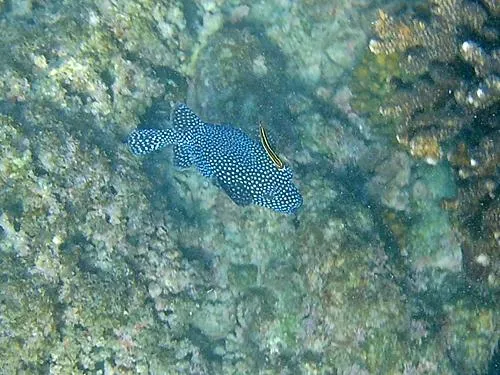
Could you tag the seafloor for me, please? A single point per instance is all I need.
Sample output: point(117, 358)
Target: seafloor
point(386, 112)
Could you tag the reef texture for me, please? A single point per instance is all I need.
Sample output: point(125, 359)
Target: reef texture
point(445, 104)
point(450, 64)
point(431, 82)
point(476, 209)
point(69, 304)
point(115, 264)
point(91, 63)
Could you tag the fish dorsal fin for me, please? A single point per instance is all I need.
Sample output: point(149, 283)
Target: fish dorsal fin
point(185, 118)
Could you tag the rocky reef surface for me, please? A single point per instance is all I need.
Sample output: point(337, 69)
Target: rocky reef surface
point(111, 263)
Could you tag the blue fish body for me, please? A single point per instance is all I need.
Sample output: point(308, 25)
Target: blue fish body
point(237, 163)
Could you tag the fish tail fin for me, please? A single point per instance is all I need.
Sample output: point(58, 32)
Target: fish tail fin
point(183, 117)
point(145, 141)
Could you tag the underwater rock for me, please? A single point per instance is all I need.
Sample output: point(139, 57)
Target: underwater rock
point(444, 103)
point(391, 181)
point(238, 79)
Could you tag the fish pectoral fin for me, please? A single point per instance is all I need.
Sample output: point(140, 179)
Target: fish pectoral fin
point(236, 193)
point(182, 157)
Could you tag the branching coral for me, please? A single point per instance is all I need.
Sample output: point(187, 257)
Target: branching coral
point(451, 61)
point(434, 40)
point(446, 102)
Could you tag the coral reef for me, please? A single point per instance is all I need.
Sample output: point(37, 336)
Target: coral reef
point(116, 264)
point(320, 40)
point(390, 181)
point(68, 303)
point(105, 71)
point(371, 85)
point(431, 82)
point(452, 61)
point(446, 101)
point(476, 208)
point(246, 86)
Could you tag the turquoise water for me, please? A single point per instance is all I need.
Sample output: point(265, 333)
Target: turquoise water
point(385, 112)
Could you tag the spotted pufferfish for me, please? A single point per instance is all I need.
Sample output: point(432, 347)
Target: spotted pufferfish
point(250, 172)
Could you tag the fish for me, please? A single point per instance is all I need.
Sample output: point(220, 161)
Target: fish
point(248, 171)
